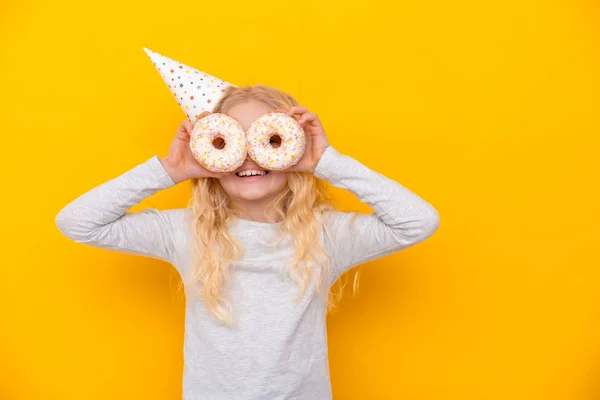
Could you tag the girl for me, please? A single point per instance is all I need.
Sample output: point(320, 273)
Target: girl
point(250, 331)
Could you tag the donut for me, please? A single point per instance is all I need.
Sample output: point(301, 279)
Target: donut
point(288, 153)
point(202, 143)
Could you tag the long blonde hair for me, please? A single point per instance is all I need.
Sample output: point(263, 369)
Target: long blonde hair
point(302, 207)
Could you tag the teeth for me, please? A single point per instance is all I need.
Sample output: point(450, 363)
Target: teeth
point(251, 172)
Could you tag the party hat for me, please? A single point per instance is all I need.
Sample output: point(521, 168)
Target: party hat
point(194, 90)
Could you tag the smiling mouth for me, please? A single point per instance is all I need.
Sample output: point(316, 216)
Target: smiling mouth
point(250, 173)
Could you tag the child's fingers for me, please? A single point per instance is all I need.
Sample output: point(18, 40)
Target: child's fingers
point(187, 125)
point(203, 114)
point(297, 110)
point(308, 117)
point(184, 130)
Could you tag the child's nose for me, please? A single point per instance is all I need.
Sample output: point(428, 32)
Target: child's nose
point(250, 162)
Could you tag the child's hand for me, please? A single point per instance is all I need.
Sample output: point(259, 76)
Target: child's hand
point(180, 163)
point(316, 140)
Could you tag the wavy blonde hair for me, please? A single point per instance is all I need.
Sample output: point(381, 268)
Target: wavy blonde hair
point(302, 207)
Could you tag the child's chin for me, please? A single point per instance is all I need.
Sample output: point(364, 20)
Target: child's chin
point(254, 194)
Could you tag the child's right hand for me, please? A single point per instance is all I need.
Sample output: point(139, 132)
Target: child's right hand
point(180, 163)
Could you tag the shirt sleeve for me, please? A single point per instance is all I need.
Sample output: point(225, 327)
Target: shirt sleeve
point(401, 218)
point(100, 217)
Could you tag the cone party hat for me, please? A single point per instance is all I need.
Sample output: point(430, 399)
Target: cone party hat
point(194, 90)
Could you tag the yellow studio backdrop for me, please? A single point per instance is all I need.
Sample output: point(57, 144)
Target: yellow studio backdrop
point(488, 110)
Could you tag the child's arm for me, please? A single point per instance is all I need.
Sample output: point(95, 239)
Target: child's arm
point(99, 217)
point(401, 219)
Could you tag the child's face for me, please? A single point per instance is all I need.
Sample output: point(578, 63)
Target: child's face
point(259, 188)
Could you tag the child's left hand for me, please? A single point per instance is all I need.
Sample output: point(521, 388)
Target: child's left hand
point(316, 140)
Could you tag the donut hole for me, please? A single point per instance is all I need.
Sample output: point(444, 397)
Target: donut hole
point(218, 143)
point(275, 141)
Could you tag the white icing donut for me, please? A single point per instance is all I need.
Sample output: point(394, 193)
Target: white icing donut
point(289, 152)
point(213, 126)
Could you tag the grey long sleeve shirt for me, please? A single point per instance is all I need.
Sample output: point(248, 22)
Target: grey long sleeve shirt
point(279, 348)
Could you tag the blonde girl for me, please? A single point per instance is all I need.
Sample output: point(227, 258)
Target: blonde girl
point(257, 250)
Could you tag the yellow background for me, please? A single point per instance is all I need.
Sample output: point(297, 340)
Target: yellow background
point(488, 110)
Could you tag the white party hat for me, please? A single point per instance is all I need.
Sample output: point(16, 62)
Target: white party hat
point(194, 90)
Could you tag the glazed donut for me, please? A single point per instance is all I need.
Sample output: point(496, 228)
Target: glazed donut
point(202, 143)
point(288, 153)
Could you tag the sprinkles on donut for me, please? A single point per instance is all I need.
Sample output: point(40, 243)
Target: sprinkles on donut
point(202, 143)
point(287, 153)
